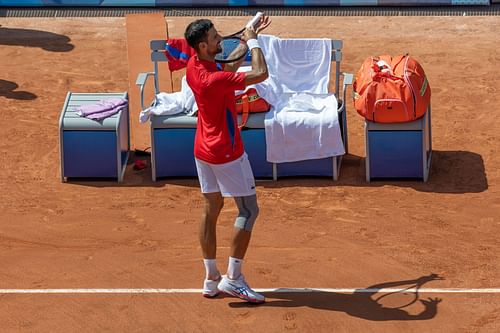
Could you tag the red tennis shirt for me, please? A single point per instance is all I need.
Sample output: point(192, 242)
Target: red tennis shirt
point(218, 138)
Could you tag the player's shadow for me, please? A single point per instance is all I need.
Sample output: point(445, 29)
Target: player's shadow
point(362, 303)
point(8, 90)
point(45, 40)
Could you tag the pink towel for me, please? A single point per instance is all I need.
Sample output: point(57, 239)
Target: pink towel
point(102, 109)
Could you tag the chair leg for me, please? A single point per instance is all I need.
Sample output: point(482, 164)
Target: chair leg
point(153, 162)
point(367, 154)
point(335, 168)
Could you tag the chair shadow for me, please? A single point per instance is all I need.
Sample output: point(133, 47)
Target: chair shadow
point(450, 172)
point(360, 304)
point(45, 40)
point(8, 90)
point(135, 178)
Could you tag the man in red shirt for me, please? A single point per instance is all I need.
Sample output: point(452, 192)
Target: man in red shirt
point(221, 161)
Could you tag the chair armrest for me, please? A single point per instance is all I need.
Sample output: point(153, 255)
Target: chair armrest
point(141, 82)
point(348, 79)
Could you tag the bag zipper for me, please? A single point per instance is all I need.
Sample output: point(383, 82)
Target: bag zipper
point(408, 82)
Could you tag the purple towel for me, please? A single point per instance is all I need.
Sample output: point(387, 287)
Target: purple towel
point(102, 109)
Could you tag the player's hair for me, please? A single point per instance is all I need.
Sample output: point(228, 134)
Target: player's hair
point(196, 32)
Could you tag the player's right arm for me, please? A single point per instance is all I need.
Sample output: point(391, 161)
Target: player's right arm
point(259, 67)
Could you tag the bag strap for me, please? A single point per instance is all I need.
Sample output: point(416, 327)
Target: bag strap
point(246, 109)
point(377, 73)
point(389, 75)
point(401, 57)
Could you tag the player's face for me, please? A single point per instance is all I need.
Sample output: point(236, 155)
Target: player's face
point(214, 40)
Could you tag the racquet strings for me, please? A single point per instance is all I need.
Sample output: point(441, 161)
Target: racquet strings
point(233, 49)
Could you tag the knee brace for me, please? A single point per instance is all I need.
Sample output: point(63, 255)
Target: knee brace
point(248, 211)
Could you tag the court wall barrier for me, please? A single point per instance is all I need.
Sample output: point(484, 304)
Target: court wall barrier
point(237, 3)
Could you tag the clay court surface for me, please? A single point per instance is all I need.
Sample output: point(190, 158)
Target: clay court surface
point(312, 232)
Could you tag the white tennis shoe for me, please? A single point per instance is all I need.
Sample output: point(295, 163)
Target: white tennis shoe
point(239, 288)
point(210, 288)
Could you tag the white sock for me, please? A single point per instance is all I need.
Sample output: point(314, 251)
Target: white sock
point(234, 268)
point(211, 268)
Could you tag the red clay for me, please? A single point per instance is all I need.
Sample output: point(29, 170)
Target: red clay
point(311, 232)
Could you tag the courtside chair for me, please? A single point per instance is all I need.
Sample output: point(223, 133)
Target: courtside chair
point(90, 148)
point(399, 150)
point(172, 137)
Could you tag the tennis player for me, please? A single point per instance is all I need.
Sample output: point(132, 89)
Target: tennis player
point(222, 164)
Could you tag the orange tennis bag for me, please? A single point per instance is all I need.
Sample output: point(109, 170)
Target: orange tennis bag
point(391, 89)
point(250, 102)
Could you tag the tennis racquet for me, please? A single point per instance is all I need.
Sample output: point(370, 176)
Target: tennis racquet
point(233, 47)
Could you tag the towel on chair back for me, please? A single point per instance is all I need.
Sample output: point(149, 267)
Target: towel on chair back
point(303, 122)
point(178, 53)
point(299, 64)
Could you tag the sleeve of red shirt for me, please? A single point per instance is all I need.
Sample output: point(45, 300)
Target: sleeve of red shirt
point(227, 80)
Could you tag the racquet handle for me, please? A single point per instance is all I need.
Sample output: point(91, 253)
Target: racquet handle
point(254, 20)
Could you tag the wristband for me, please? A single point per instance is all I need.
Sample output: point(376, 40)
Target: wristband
point(252, 44)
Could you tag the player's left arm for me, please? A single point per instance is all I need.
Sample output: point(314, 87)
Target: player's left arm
point(264, 22)
point(233, 66)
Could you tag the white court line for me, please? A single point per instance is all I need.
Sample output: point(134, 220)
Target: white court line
point(262, 290)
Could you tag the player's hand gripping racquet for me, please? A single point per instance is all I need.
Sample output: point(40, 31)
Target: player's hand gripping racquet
point(234, 47)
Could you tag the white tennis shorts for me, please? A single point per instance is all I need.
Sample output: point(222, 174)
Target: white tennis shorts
point(232, 179)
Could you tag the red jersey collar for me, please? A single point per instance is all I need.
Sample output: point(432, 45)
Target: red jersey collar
point(211, 65)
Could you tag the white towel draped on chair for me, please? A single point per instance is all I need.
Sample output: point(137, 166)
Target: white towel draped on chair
point(298, 64)
point(303, 122)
